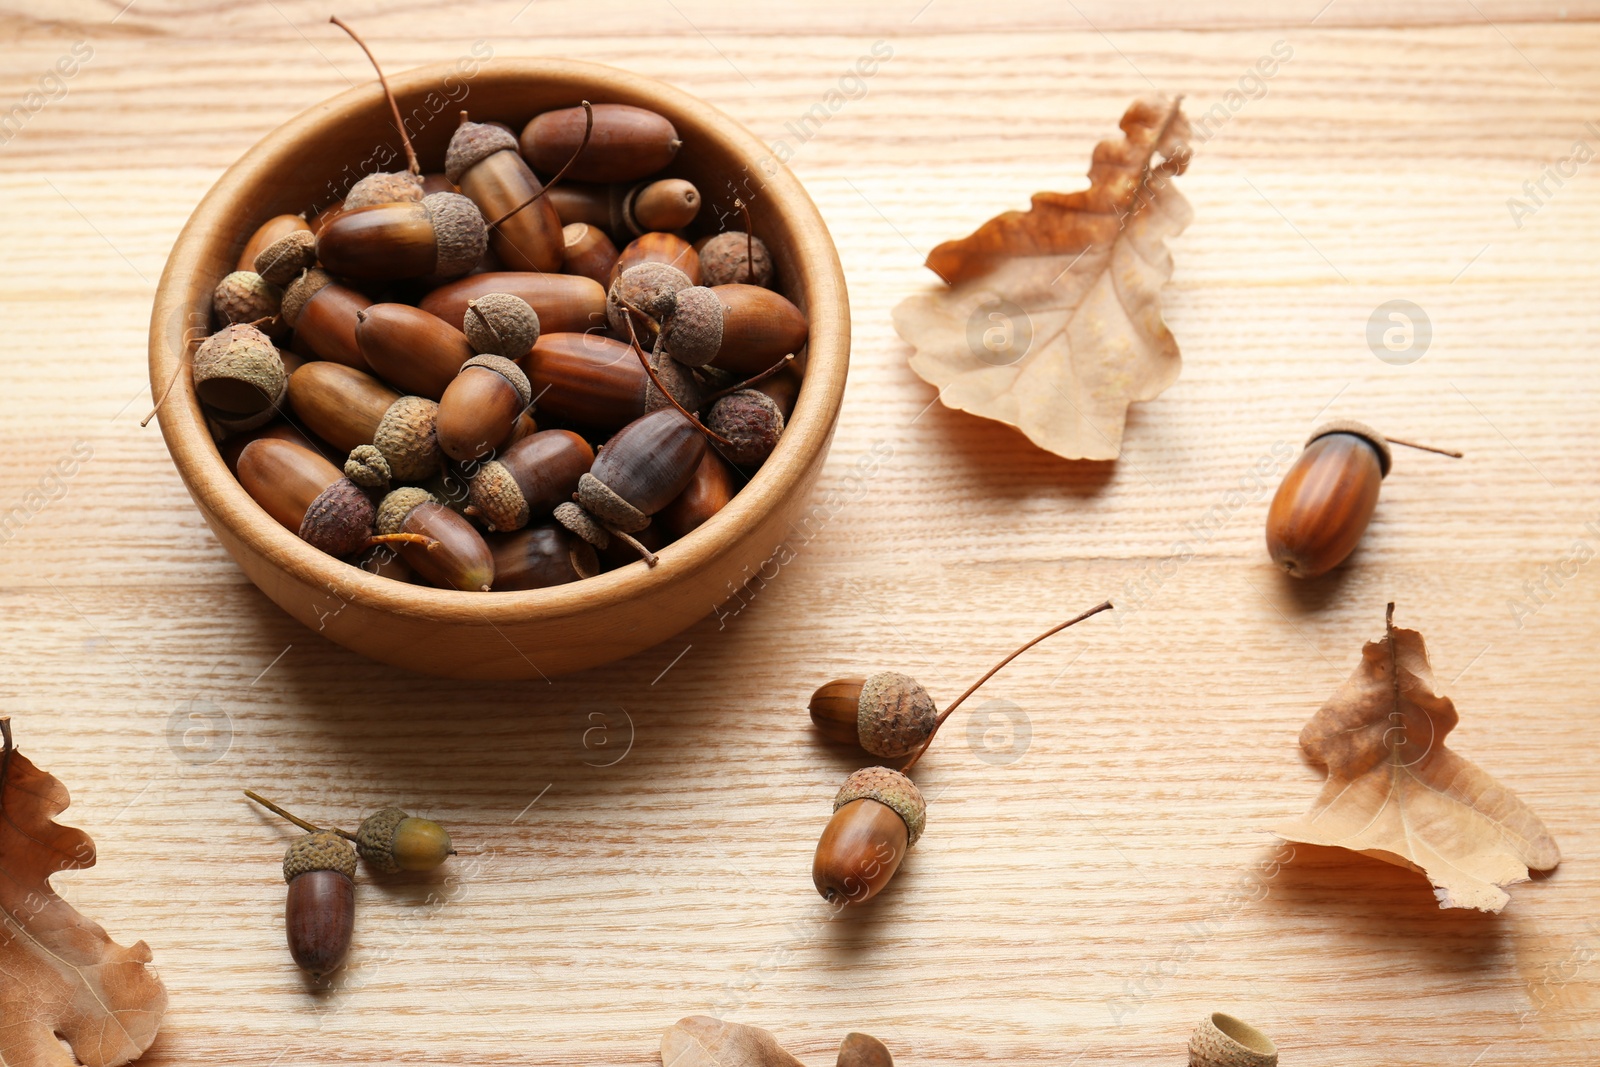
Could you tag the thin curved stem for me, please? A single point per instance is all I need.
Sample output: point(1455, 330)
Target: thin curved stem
point(633, 336)
point(1425, 448)
point(588, 128)
point(283, 813)
point(399, 123)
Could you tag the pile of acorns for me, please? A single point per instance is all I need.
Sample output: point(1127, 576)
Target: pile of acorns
point(379, 367)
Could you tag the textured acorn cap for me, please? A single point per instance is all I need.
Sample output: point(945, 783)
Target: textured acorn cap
point(375, 838)
point(399, 504)
point(650, 288)
point(459, 232)
point(237, 372)
point(890, 787)
point(300, 291)
point(507, 370)
point(323, 851)
point(245, 296)
point(895, 715)
point(1223, 1041)
point(693, 335)
point(583, 524)
point(501, 324)
point(497, 497)
point(600, 501)
point(384, 187)
point(722, 260)
point(408, 438)
point(751, 421)
point(339, 521)
point(1363, 431)
point(282, 261)
point(367, 467)
point(471, 144)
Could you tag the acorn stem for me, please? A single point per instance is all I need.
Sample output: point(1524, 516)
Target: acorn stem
point(399, 124)
point(428, 543)
point(1097, 609)
point(633, 336)
point(649, 557)
point(748, 382)
point(282, 813)
point(1424, 448)
point(588, 128)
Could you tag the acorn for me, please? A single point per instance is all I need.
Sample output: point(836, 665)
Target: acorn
point(708, 492)
point(529, 480)
point(285, 259)
point(349, 408)
point(593, 381)
point(483, 161)
point(501, 324)
point(457, 558)
point(384, 187)
point(878, 815)
point(414, 351)
point(625, 143)
point(441, 235)
point(323, 315)
point(480, 407)
point(1223, 1041)
point(738, 328)
point(564, 303)
point(393, 841)
point(751, 421)
point(667, 248)
point(586, 250)
point(640, 470)
point(1325, 501)
point(666, 204)
point(726, 259)
point(889, 714)
point(245, 296)
point(542, 556)
point(308, 495)
point(648, 290)
point(320, 912)
point(267, 233)
point(239, 376)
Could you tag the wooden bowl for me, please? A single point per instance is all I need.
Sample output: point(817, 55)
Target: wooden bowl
point(538, 633)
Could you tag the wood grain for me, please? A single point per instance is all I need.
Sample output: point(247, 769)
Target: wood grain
point(1085, 902)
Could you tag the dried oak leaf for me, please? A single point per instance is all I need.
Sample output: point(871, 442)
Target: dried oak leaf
point(1395, 792)
point(61, 977)
point(701, 1041)
point(1051, 321)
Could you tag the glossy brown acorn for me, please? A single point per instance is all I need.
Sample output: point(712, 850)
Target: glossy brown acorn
point(596, 382)
point(442, 235)
point(666, 248)
point(529, 480)
point(482, 159)
point(319, 913)
point(480, 407)
point(667, 204)
point(322, 314)
point(625, 144)
point(877, 816)
point(307, 494)
point(281, 431)
point(713, 486)
point(565, 303)
point(274, 228)
point(743, 329)
point(458, 559)
point(588, 251)
point(540, 557)
point(411, 349)
point(888, 714)
point(1325, 501)
point(348, 408)
point(635, 474)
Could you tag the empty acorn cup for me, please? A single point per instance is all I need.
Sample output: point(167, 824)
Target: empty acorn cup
point(1223, 1041)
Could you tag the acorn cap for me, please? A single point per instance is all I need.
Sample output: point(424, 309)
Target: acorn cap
point(238, 373)
point(407, 437)
point(398, 505)
point(894, 715)
point(583, 524)
point(1363, 431)
point(375, 838)
point(751, 421)
point(367, 468)
point(891, 788)
point(507, 370)
point(459, 232)
point(322, 851)
point(471, 144)
point(693, 335)
point(600, 501)
point(497, 497)
point(722, 260)
point(501, 324)
point(245, 296)
point(282, 261)
point(651, 288)
point(1223, 1041)
point(384, 187)
point(339, 521)
point(301, 290)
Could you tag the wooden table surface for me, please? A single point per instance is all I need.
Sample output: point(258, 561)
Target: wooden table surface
point(637, 840)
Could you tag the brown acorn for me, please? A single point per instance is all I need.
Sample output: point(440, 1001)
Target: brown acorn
point(878, 815)
point(393, 841)
point(738, 328)
point(480, 407)
point(320, 911)
point(586, 250)
point(268, 232)
point(323, 315)
point(285, 259)
point(308, 495)
point(664, 248)
point(593, 381)
point(482, 159)
point(457, 558)
point(542, 556)
point(564, 303)
point(649, 291)
point(239, 376)
point(529, 479)
point(663, 205)
point(751, 421)
point(625, 143)
point(501, 324)
point(414, 351)
point(384, 187)
point(726, 259)
point(640, 470)
point(889, 714)
point(349, 408)
point(246, 297)
point(441, 235)
point(708, 492)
